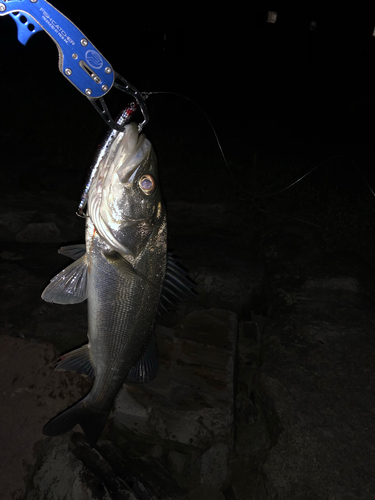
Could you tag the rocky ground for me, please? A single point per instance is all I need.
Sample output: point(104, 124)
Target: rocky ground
point(266, 387)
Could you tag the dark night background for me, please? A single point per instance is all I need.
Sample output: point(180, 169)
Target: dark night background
point(307, 79)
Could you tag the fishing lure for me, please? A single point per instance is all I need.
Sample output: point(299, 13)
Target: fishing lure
point(124, 118)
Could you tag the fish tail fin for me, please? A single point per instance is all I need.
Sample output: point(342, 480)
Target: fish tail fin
point(91, 419)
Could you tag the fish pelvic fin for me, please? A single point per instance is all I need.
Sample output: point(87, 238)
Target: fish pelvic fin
point(91, 419)
point(69, 286)
point(79, 361)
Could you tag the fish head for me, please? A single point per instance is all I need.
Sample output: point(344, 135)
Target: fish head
point(124, 200)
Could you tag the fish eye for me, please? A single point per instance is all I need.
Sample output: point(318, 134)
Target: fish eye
point(147, 184)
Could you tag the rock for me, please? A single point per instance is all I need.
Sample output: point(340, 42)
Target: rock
point(213, 465)
point(39, 232)
point(12, 222)
point(205, 492)
point(64, 326)
point(306, 390)
point(31, 394)
point(67, 468)
point(176, 461)
point(60, 475)
point(252, 434)
point(156, 451)
point(23, 220)
point(223, 288)
point(189, 404)
point(209, 468)
point(9, 255)
point(28, 227)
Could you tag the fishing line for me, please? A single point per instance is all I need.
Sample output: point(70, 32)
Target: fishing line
point(355, 166)
point(147, 94)
point(206, 116)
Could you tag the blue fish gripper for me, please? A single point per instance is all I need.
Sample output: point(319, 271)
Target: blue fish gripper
point(26, 26)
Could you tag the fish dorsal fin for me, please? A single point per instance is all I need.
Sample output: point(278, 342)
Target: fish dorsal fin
point(177, 285)
point(78, 361)
point(147, 366)
point(73, 251)
point(69, 286)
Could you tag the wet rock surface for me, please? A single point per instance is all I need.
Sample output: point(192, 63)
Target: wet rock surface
point(30, 392)
point(189, 405)
point(305, 406)
point(265, 390)
point(69, 468)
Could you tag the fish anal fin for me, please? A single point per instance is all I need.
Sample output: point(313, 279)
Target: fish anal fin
point(69, 286)
point(78, 361)
point(146, 369)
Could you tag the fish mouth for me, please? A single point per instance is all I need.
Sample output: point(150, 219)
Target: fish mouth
point(111, 201)
point(127, 171)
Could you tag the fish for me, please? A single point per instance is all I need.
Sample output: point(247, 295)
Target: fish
point(127, 276)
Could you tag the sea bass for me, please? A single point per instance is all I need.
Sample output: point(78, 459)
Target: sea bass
point(125, 274)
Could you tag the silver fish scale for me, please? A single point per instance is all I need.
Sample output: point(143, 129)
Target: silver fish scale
point(121, 310)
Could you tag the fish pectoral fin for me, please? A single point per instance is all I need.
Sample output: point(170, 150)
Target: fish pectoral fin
point(74, 252)
point(177, 285)
point(79, 361)
point(147, 366)
point(69, 286)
